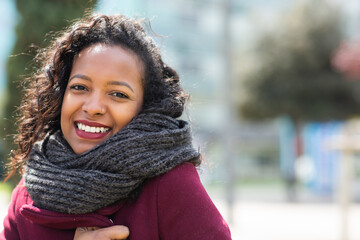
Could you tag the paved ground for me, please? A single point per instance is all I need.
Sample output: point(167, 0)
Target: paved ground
point(277, 220)
point(4, 201)
point(284, 221)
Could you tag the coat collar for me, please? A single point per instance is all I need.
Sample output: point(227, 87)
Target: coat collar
point(70, 221)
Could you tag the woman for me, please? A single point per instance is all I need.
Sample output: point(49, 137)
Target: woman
point(111, 161)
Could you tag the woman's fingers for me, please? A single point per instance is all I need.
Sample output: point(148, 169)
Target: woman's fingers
point(85, 229)
point(117, 232)
point(114, 232)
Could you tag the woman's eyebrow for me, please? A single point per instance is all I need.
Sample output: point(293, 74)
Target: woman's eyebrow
point(121, 84)
point(80, 76)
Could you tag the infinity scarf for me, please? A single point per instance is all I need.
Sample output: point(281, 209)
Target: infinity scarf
point(60, 180)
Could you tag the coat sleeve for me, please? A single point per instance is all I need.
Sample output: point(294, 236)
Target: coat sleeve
point(10, 231)
point(185, 210)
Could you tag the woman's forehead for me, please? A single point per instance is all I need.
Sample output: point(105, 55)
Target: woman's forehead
point(108, 49)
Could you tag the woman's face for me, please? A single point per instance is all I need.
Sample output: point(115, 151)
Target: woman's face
point(103, 94)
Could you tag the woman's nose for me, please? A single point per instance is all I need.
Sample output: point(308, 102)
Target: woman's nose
point(94, 106)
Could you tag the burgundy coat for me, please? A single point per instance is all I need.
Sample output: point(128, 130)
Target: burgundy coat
point(171, 206)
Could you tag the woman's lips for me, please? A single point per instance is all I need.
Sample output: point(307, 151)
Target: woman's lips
point(91, 130)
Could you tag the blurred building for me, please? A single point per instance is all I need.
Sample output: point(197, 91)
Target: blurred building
point(191, 43)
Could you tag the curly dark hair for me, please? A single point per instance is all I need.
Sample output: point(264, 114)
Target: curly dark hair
point(41, 107)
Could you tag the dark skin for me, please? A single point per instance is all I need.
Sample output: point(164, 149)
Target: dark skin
point(109, 233)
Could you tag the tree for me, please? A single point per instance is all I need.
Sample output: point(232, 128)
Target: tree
point(294, 76)
point(36, 19)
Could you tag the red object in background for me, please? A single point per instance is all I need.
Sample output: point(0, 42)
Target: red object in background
point(346, 59)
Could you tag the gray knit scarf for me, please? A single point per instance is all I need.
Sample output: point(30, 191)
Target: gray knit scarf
point(151, 144)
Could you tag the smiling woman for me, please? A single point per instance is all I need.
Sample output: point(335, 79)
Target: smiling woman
point(104, 93)
point(102, 153)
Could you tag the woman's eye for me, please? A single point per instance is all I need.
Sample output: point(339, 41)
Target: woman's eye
point(119, 95)
point(78, 87)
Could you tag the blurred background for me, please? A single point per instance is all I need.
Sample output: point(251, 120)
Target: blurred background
point(275, 101)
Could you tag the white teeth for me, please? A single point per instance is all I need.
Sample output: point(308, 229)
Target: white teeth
point(87, 128)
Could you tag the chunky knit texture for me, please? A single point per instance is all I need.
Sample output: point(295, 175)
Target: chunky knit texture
point(151, 144)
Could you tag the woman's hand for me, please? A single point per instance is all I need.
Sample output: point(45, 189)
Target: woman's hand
point(110, 233)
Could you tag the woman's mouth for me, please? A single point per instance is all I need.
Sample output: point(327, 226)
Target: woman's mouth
point(89, 130)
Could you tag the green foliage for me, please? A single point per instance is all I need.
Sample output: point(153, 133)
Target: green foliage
point(293, 74)
point(36, 19)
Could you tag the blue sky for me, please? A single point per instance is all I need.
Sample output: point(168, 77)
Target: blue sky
point(8, 21)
